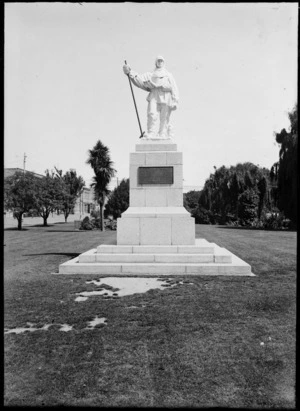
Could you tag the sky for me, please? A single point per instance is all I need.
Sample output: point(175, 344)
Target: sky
point(235, 65)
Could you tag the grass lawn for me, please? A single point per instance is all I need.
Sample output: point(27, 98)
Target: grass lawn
point(219, 342)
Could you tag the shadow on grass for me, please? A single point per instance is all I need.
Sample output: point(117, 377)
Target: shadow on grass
point(66, 231)
point(28, 225)
point(79, 231)
point(15, 229)
point(42, 225)
point(290, 230)
point(73, 255)
point(71, 230)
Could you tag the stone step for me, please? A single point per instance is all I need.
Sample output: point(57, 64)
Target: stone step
point(157, 260)
point(237, 267)
point(152, 258)
point(156, 249)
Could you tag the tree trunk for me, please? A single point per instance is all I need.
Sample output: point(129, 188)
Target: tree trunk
point(45, 221)
point(19, 218)
point(102, 216)
point(66, 215)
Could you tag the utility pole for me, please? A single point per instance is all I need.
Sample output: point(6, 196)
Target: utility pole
point(24, 162)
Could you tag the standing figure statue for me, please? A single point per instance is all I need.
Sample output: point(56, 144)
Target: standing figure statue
point(162, 98)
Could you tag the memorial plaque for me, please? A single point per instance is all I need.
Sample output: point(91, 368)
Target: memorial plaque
point(155, 175)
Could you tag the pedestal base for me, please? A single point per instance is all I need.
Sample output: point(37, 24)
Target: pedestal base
point(156, 234)
point(203, 258)
point(156, 226)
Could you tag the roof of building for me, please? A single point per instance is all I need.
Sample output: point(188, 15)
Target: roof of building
point(11, 171)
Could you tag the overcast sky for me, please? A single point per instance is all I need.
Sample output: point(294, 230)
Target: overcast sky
point(235, 65)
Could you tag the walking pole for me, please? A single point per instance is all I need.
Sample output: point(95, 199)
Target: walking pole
point(142, 132)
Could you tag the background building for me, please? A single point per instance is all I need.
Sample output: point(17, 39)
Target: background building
point(8, 172)
point(85, 203)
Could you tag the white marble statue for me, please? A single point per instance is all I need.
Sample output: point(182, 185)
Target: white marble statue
point(162, 98)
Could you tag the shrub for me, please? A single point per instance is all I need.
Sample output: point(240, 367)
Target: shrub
point(112, 224)
point(96, 222)
point(287, 223)
point(203, 216)
point(86, 224)
point(233, 223)
point(274, 221)
point(257, 223)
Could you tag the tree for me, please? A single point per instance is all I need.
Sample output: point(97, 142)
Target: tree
point(273, 193)
point(20, 194)
point(287, 168)
point(49, 195)
point(205, 199)
point(235, 187)
point(248, 206)
point(262, 186)
point(73, 186)
point(118, 200)
point(99, 160)
point(222, 193)
point(191, 199)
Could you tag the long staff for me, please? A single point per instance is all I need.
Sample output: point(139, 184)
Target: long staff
point(142, 132)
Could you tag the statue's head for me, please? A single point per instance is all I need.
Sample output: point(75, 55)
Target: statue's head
point(159, 61)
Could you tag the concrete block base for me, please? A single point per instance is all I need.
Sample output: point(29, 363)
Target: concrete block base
point(156, 234)
point(156, 226)
point(202, 258)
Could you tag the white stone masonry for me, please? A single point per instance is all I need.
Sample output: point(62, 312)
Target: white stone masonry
point(156, 215)
point(156, 234)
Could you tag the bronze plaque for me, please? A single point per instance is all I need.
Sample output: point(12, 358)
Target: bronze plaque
point(155, 175)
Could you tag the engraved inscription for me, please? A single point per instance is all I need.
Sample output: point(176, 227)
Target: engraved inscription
point(155, 175)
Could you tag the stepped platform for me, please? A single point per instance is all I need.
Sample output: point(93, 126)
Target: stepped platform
point(156, 234)
point(203, 258)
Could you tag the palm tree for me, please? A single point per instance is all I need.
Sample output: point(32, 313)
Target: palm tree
point(99, 160)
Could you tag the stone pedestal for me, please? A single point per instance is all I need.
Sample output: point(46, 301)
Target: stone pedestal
point(156, 234)
point(156, 215)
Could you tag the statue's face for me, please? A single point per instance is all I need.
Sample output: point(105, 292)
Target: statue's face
point(160, 63)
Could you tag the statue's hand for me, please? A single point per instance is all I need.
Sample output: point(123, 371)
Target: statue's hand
point(174, 105)
point(126, 69)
